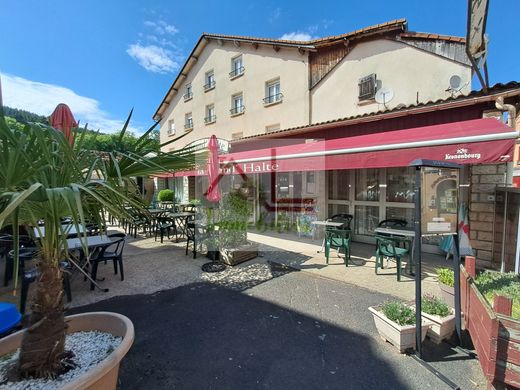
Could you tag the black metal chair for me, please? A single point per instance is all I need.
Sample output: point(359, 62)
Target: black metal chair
point(195, 233)
point(342, 217)
point(109, 252)
point(392, 223)
point(163, 224)
point(6, 243)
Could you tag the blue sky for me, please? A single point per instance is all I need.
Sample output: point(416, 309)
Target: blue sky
point(105, 57)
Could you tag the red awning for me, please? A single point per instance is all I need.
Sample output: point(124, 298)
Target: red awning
point(479, 141)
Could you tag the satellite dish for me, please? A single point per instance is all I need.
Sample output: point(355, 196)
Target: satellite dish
point(455, 81)
point(384, 95)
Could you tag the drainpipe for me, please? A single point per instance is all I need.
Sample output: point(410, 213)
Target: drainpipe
point(511, 121)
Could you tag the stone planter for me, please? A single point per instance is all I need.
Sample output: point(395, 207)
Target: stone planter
point(400, 336)
point(447, 294)
point(238, 255)
point(441, 328)
point(104, 375)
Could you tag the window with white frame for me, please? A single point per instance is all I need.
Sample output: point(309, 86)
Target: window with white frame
point(237, 104)
point(188, 121)
point(237, 67)
point(272, 92)
point(171, 127)
point(210, 114)
point(210, 80)
point(188, 94)
point(367, 87)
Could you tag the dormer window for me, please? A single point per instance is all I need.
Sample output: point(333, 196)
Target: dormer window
point(210, 81)
point(188, 94)
point(237, 67)
point(367, 87)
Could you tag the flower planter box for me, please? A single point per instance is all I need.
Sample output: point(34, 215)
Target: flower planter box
point(239, 255)
point(496, 337)
point(447, 294)
point(442, 327)
point(104, 375)
point(400, 336)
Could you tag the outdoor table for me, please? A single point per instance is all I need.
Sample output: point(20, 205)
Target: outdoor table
point(407, 232)
point(67, 229)
point(180, 220)
point(326, 223)
point(156, 211)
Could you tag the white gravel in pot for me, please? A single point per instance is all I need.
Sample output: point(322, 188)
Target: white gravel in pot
point(89, 349)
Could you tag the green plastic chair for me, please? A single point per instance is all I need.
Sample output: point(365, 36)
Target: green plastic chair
point(389, 247)
point(338, 238)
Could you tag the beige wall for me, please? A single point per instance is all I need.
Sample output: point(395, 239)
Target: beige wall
point(404, 69)
point(261, 65)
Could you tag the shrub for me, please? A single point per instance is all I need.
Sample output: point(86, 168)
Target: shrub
point(234, 214)
point(434, 306)
point(491, 283)
point(165, 196)
point(398, 312)
point(446, 276)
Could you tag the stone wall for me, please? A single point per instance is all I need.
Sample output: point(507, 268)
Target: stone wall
point(484, 180)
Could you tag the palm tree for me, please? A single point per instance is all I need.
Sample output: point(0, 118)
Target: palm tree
point(44, 177)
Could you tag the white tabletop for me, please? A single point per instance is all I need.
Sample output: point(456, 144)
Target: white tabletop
point(328, 223)
point(180, 215)
point(395, 232)
point(65, 228)
point(90, 241)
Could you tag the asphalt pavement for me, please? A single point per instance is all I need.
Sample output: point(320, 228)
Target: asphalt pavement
point(290, 330)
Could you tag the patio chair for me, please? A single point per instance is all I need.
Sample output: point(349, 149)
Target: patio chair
point(195, 233)
point(392, 223)
point(389, 247)
point(113, 252)
point(340, 239)
point(26, 253)
point(342, 217)
point(163, 225)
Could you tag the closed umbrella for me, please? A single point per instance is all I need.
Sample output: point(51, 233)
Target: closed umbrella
point(213, 193)
point(62, 119)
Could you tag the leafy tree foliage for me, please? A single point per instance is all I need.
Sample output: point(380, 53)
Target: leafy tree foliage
point(24, 116)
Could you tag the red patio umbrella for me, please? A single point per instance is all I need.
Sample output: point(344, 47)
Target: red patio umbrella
point(62, 119)
point(213, 193)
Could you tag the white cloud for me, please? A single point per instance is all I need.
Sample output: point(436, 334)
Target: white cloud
point(42, 99)
point(297, 36)
point(274, 15)
point(153, 58)
point(161, 27)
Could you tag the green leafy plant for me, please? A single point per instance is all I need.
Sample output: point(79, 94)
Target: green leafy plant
point(234, 215)
point(166, 196)
point(44, 177)
point(446, 276)
point(398, 312)
point(434, 306)
point(195, 202)
point(491, 283)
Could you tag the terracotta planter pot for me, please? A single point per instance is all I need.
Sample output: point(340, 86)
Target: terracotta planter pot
point(239, 255)
point(447, 294)
point(442, 327)
point(104, 375)
point(400, 336)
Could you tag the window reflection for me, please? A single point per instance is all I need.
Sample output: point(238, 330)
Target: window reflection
point(400, 183)
point(367, 184)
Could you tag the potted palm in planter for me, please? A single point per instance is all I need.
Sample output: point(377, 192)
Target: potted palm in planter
point(440, 315)
point(395, 322)
point(43, 176)
point(446, 280)
point(234, 216)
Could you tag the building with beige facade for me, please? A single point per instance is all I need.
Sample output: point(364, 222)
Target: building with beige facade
point(330, 126)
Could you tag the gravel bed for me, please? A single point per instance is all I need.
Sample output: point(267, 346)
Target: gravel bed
point(89, 349)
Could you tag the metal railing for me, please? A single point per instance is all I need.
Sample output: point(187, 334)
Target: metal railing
point(237, 72)
point(188, 95)
point(273, 98)
point(209, 85)
point(210, 119)
point(237, 110)
point(188, 126)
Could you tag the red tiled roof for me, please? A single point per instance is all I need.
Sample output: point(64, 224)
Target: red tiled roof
point(421, 35)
